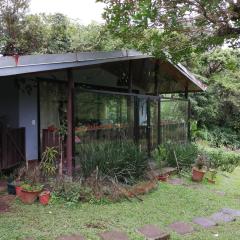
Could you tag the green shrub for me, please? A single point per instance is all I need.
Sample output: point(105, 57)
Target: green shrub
point(118, 159)
point(48, 162)
point(221, 158)
point(71, 191)
point(186, 154)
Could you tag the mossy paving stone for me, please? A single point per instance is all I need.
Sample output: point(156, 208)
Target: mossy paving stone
point(181, 228)
point(204, 222)
point(221, 217)
point(232, 212)
point(152, 232)
point(176, 181)
point(113, 235)
point(71, 237)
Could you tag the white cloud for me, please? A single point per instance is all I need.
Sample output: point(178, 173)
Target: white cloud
point(85, 11)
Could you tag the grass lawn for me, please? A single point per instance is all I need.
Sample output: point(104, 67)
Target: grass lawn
point(162, 207)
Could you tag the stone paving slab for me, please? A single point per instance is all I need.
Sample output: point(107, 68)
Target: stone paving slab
point(113, 235)
point(232, 212)
point(221, 217)
point(181, 228)
point(204, 222)
point(152, 232)
point(72, 237)
point(176, 181)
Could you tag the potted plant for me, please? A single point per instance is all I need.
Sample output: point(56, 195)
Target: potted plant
point(30, 192)
point(18, 188)
point(198, 170)
point(44, 197)
point(212, 178)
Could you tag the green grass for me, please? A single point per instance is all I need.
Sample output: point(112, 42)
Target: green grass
point(161, 207)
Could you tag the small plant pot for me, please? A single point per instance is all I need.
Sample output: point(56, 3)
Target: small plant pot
point(197, 175)
point(44, 197)
point(211, 181)
point(28, 197)
point(11, 189)
point(163, 178)
point(18, 190)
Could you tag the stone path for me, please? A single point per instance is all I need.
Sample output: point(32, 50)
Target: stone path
point(181, 228)
point(232, 212)
point(72, 237)
point(114, 235)
point(221, 217)
point(204, 222)
point(152, 232)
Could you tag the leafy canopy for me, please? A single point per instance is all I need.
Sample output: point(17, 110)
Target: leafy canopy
point(176, 27)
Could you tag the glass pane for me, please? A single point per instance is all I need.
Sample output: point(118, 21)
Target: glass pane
point(101, 118)
point(53, 108)
point(174, 118)
point(142, 103)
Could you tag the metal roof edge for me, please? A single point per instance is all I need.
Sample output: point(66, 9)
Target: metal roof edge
point(44, 59)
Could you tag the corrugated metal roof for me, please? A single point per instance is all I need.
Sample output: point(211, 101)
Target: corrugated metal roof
point(10, 66)
point(38, 63)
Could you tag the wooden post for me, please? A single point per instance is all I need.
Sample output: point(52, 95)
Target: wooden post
point(149, 126)
point(70, 122)
point(130, 100)
point(188, 114)
point(159, 130)
point(188, 121)
point(159, 122)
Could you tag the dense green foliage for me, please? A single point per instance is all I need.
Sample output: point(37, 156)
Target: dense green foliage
point(183, 156)
point(217, 111)
point(155, 26)
point(121, 160)
point(22, 33)
point(170, 154)
point(70, 191)
point(221, 159)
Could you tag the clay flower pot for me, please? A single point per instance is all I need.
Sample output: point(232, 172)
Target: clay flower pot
point(29, 197)
point(44, 197)
point(18, 190)
point(198, 174)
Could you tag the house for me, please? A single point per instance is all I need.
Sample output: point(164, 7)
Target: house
point(100, 96)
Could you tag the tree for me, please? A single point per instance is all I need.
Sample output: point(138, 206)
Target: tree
point(195, 25)
point(93, 37)
point(12, 13)
point(57, 35)
point(218, 109)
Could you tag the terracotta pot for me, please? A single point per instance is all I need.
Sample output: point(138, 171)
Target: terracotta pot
point(163, 178)
point(18, 190)
point(28, 197)
point(44, 197)
point(197, 174)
